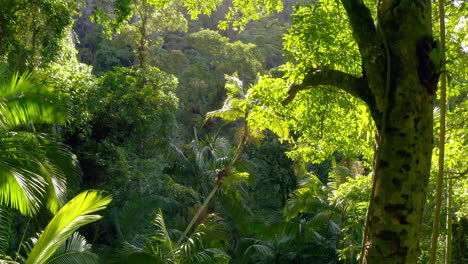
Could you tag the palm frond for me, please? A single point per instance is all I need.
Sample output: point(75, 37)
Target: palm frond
point(73, 215)
point(236, 178)
point(162, 234)
point(23, 101)
point(59, 168)
point(218, 254)
point(20, 188)
point(303, 201)
point(130, 253)
point(320, 220)
point(201, 257)
point(254, 248)
point(211, 232)
point(75, 250)
point(227, 113)
point(33, 166)
point(205, 244)
point(6, 225)
point(236, 206)
point(234, 86)
point(235, 105)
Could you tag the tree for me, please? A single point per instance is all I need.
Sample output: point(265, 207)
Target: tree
point(398, 85)
point(28, 41)
point(239, 104)
point(200, 60)
point(153, 20)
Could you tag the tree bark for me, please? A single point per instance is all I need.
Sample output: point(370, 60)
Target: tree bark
point(143, 43)
point(403, 157)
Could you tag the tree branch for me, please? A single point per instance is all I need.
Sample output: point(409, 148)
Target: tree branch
point(357, 87)
point(460, 174)
point(370, 47)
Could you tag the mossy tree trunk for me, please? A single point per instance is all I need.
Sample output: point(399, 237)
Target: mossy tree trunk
point(399, 86)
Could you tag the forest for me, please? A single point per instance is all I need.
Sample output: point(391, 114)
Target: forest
point(234, 131)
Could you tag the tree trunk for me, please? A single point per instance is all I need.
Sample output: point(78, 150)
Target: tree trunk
point(143, 42)
point(403, 157)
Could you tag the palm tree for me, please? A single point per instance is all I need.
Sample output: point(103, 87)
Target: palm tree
point(200, 160)
point(239, 105)
point(32, 163)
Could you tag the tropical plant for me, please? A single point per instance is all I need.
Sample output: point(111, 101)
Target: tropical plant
point(334, 211)
point(156, 18)
point(306, 238)
point(75, 250)
point(59, 243)
point(33, 163)
point(73, 215)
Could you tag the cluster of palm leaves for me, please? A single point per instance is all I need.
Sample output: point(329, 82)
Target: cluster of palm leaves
point(204, 246)
point(33, 163)
point(34, 170)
